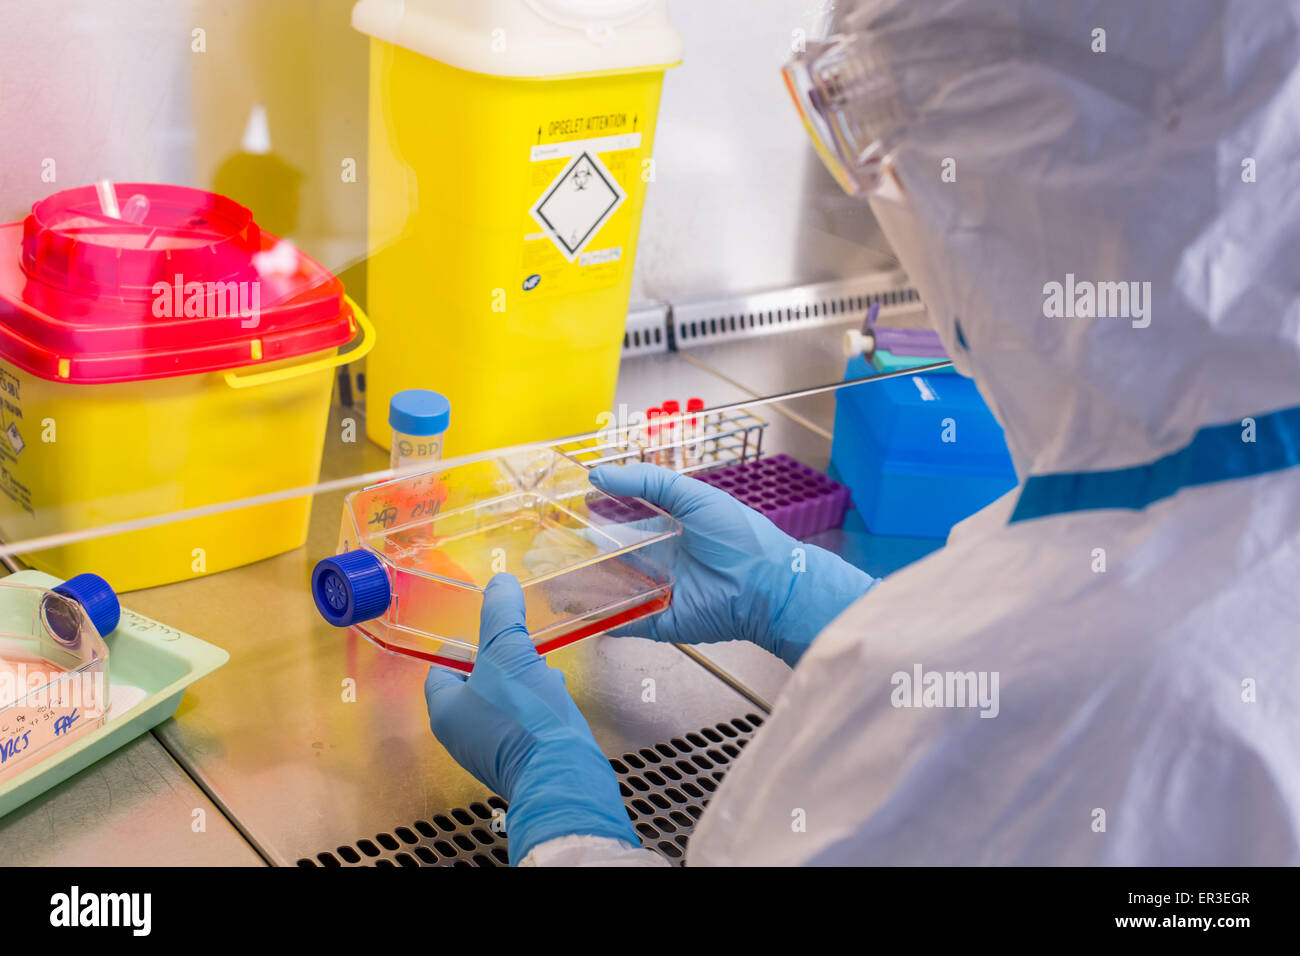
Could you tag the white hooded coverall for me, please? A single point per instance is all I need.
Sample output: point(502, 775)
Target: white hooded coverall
point(1138, 595)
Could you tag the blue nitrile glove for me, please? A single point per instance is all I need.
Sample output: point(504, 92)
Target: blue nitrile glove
point(513, 725)
point(737, 575)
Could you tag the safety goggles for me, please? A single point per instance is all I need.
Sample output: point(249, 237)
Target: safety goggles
point(859, 89)
point(849, 105)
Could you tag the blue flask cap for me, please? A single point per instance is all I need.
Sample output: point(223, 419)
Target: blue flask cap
point(351, 587)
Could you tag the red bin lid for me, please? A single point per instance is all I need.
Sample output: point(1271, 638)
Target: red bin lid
point(183, 282)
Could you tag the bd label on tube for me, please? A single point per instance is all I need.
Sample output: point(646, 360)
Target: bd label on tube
point(417, 448)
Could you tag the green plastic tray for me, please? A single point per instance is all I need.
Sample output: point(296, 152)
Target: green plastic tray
point(158, 659)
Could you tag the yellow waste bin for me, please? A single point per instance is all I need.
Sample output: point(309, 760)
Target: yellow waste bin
point(510, 149)
point(176, 360)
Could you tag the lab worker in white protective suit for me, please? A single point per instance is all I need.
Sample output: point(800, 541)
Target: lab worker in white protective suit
point(1116, 263)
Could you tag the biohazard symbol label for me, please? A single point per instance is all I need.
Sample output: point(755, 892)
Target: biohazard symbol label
point(577, 203)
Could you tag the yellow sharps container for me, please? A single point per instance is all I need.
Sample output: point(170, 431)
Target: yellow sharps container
point(510, 148)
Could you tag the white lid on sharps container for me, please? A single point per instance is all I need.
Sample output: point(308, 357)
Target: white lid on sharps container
point(527, 38)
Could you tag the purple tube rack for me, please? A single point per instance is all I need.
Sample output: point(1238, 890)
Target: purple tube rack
point(615, 509)
point(799, 500)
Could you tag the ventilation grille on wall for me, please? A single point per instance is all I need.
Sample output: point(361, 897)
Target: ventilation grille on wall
point(704, 321)
point(658, 327)
point(647, 329)
point(665, 789)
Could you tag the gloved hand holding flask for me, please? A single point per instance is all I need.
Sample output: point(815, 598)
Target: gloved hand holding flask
point(512, 724)
point(737, 576)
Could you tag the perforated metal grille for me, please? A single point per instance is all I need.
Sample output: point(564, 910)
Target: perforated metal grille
point(665, 789)
point(646, 331)
point(705, 321)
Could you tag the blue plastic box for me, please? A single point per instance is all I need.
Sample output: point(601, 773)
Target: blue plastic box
point(919, 453)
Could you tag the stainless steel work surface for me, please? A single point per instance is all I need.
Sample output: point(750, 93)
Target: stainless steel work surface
point(755, 673)
point(770, 365)
point(135, 807)
point(310, 737)
point(280, 742)
point(646, 380)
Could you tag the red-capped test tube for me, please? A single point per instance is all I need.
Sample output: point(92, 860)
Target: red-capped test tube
point(652, 417)
point(671, 432)
point(694, 431)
